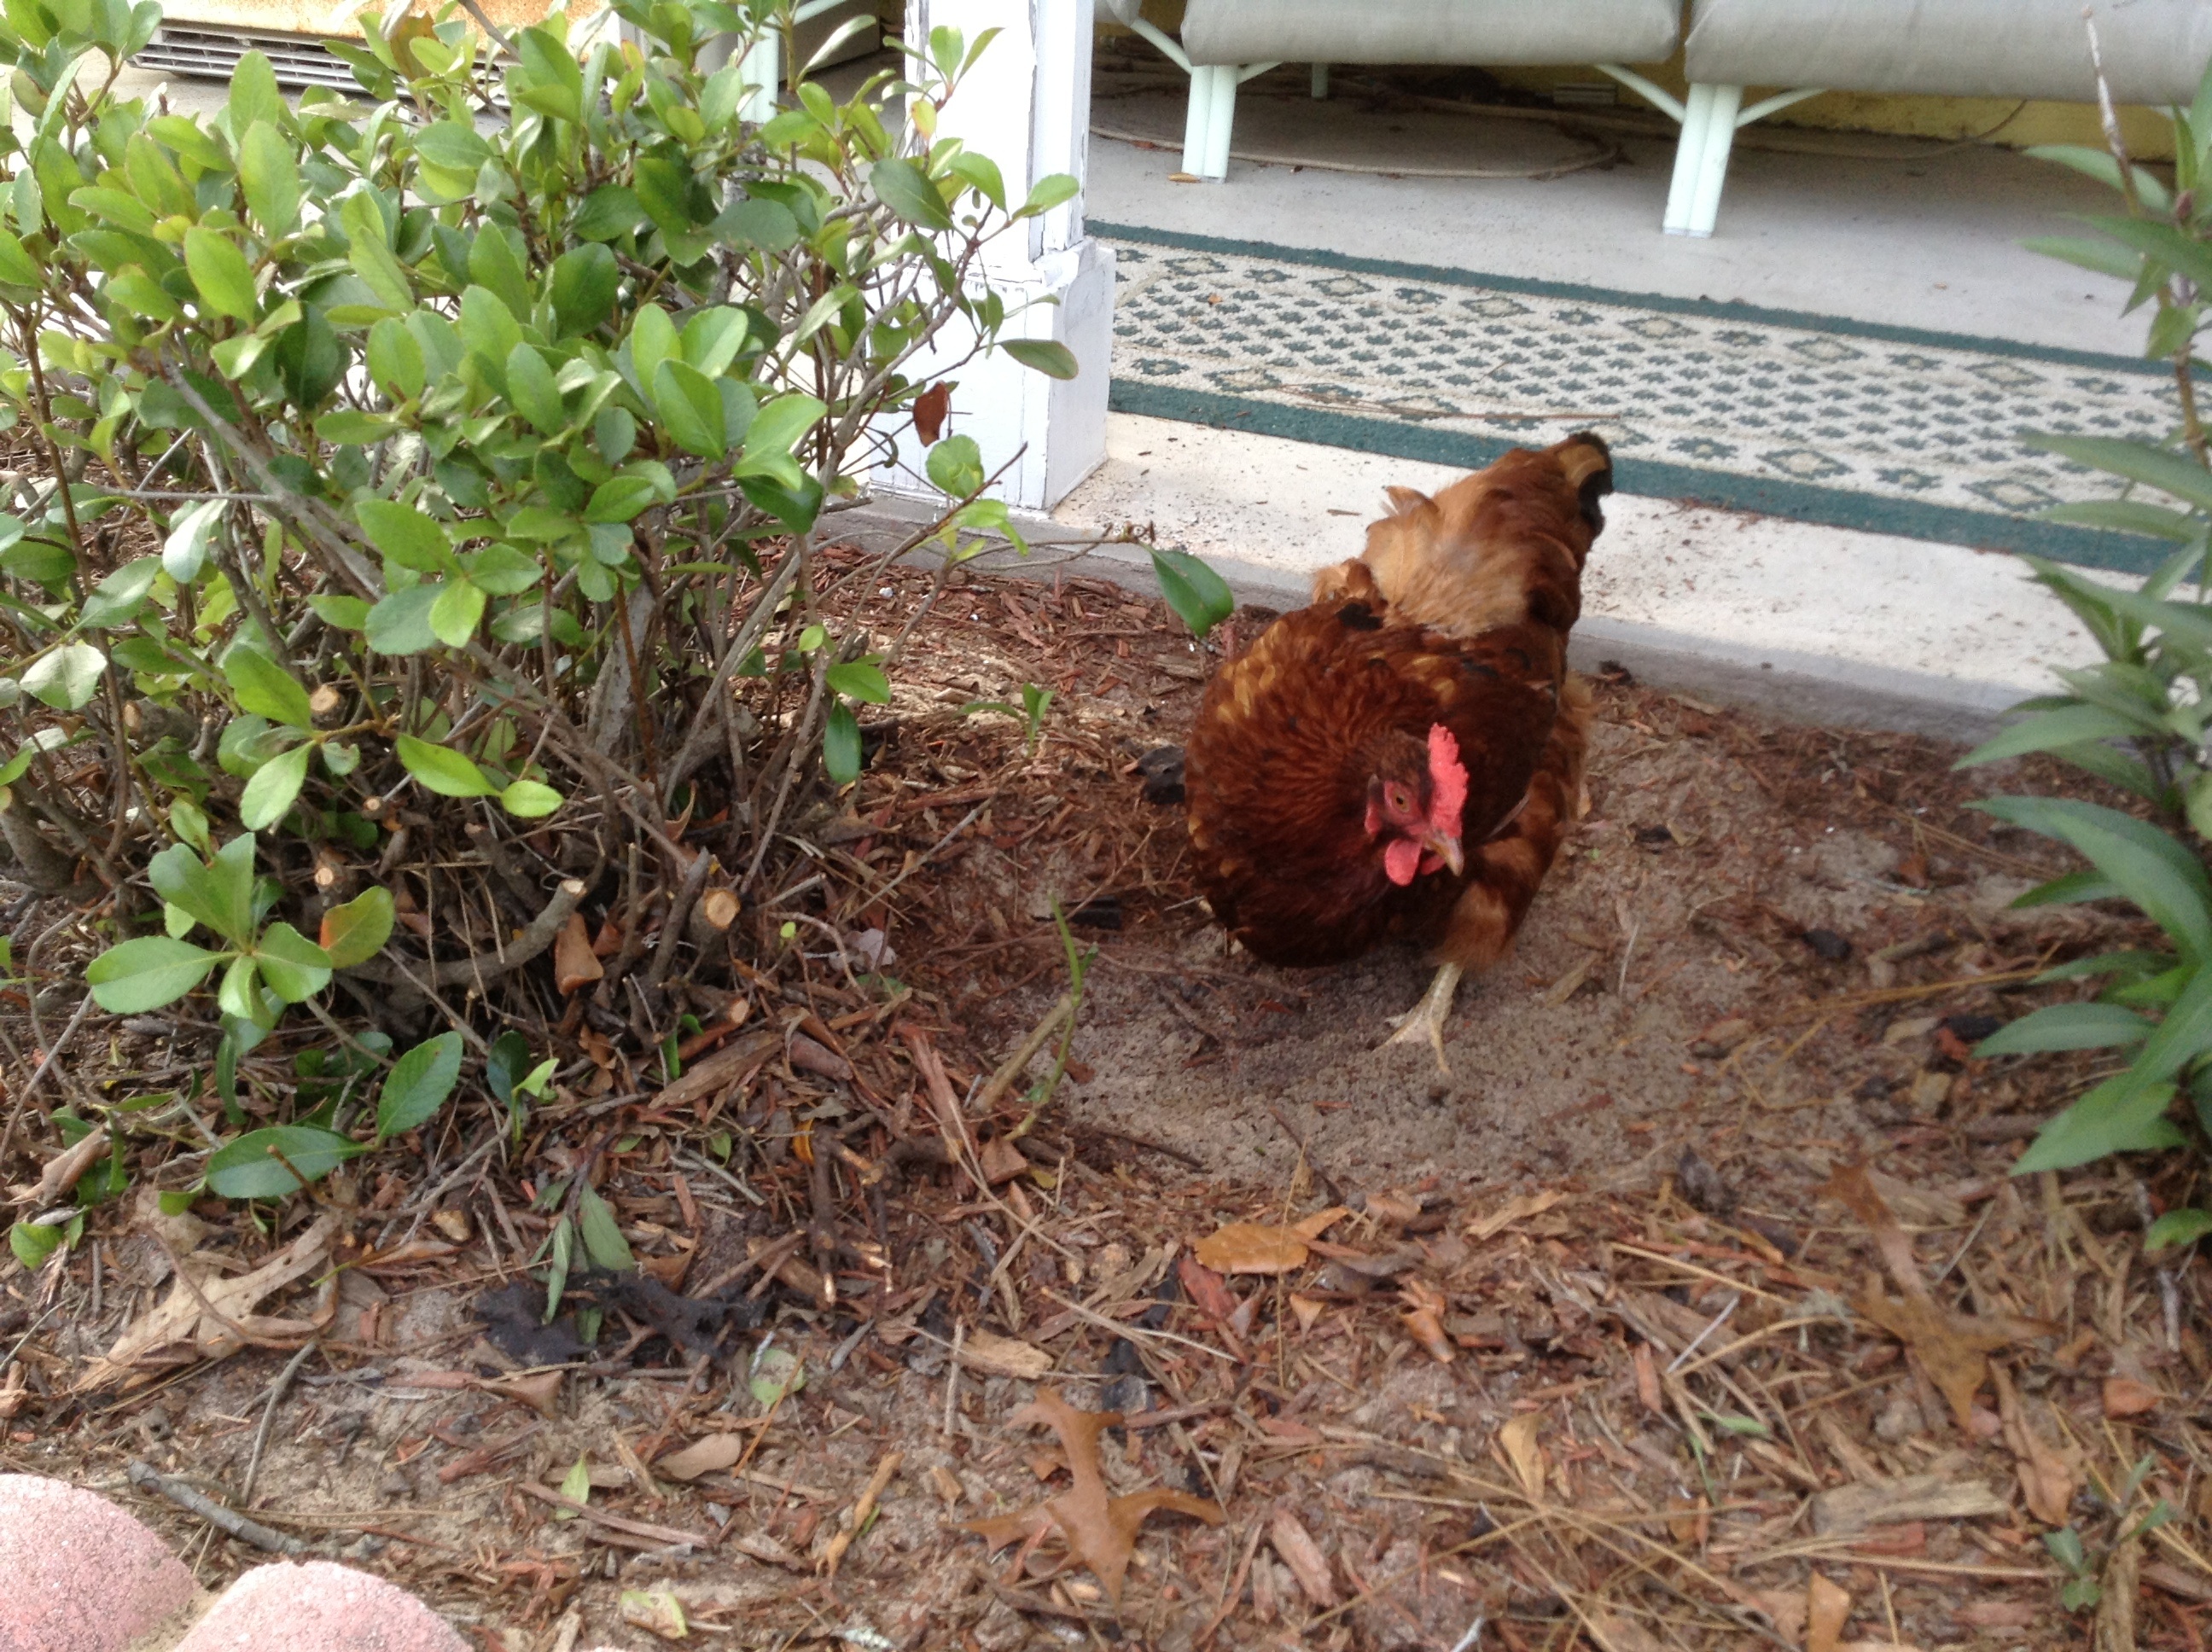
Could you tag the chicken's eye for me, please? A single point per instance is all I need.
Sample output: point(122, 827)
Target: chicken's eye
point(1399, 800)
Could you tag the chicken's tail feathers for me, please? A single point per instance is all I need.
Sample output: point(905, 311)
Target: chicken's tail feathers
point(1587, 463)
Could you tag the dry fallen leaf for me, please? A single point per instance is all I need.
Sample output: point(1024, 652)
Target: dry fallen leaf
point(1423, 1319)
point(1953, 1348)
point(574, 963)
point(701, 1456)
point(1262, 1247)
point(1827, 1606)
point(1002, 1160)
point(1615, 1631)
point(998, 1356)
point(216, 1313)
point(1647, 1380)
point(1100, 1530)
point(1514, 1210)
point(2125, 1397)
point(1308, 1310)
point(656, 1610)
point(63, 1171)
point(1204, 1288)
point(1304, 1556)
point(540, 1391)
point(1517, 1440)
point(2047, 1479)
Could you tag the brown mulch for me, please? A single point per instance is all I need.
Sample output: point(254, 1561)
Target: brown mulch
point(1786, 1358)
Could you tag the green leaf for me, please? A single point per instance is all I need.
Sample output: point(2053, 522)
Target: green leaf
point(1055, 360)
point(452, 146)
point(530, 385)
point(691, 409)
point(357, 932)
point(2067, 1027)
point(2148, 866)
point(442, 769)
point(1049, 191)
point(530, 799)
point(603, 1238)
point(503, 570)
point(608, 211)
point(145, 973)
point(2048, 730)
point(266, 688)
point(505, 1062)
point(2110, 1118)
point(270, 179)
point(220, 273)
point(456, 612)
point(2104, 257)
point(585, 283)
point(218, 893)
point(406, 536)
point(275, 787)
point(858, 680)
point(117, 598)
point(417, 1085)
point(33, 1244)
point(294, 966)
point(956, 466)
point(66, 677)
point(400, 624)
point(2179, 1227)
point(620, 498)
point(189, 529)
point(2139, 461)
point(1201, 598)
point(906, 190)
point(395, 360)
point(840, 745)
point(270, 1163)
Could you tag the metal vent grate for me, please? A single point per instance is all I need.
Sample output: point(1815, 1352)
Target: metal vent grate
point(212, 52)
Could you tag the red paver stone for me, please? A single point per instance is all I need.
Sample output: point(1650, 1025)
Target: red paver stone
point(76, 1573)
point(319, 1605)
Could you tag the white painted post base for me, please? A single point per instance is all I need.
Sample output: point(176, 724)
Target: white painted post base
point(1026, 106)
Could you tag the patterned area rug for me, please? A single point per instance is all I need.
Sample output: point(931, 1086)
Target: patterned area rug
point(1812, 417)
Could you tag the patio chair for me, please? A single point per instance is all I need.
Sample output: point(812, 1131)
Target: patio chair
point(2153, 51)
point(1226, 42)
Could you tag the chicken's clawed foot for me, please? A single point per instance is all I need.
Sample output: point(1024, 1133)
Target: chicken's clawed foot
point(1427, 1019)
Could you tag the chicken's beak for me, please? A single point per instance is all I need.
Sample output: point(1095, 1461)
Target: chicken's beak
point(1446, 849)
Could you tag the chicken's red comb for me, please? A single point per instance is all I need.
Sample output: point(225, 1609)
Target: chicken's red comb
point(1447, 781)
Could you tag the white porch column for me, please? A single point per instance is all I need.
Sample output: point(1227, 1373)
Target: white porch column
point(1027, 106)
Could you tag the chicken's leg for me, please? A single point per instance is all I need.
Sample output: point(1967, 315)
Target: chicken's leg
point(1427, 1019)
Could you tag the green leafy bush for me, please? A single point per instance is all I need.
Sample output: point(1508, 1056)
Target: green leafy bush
point(2138, 719)
point(434, 460)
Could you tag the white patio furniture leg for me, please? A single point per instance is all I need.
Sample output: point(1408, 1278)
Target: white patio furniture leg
point(1689, 152)
point(1320, 80)
point(1213, 113)
point(1713, 159)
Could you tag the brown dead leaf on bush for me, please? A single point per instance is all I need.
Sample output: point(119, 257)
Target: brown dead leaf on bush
point(1953, 1348)
point(1263, 1247)
point(1100, 1530)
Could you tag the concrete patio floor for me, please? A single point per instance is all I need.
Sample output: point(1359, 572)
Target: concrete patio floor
point(1816, 621)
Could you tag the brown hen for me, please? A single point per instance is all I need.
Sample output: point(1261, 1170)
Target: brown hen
point(1400, 760)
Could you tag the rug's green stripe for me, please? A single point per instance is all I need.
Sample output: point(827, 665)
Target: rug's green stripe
point(1728, 311)
point(1799, 500)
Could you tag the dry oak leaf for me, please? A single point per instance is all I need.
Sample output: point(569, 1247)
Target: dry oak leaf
point(216, 1313)
point(575, 963)
point(1953, 1347)
point(703, 1456)
point(1263, 1247)
point(2048, 1480)
point(1100, 1530)
point(63, 1171)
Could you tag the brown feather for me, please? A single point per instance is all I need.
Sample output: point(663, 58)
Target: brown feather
point(1457, 614)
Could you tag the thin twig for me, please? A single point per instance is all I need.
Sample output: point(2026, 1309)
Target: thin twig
point(229, 1520)
point(268, 1415)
